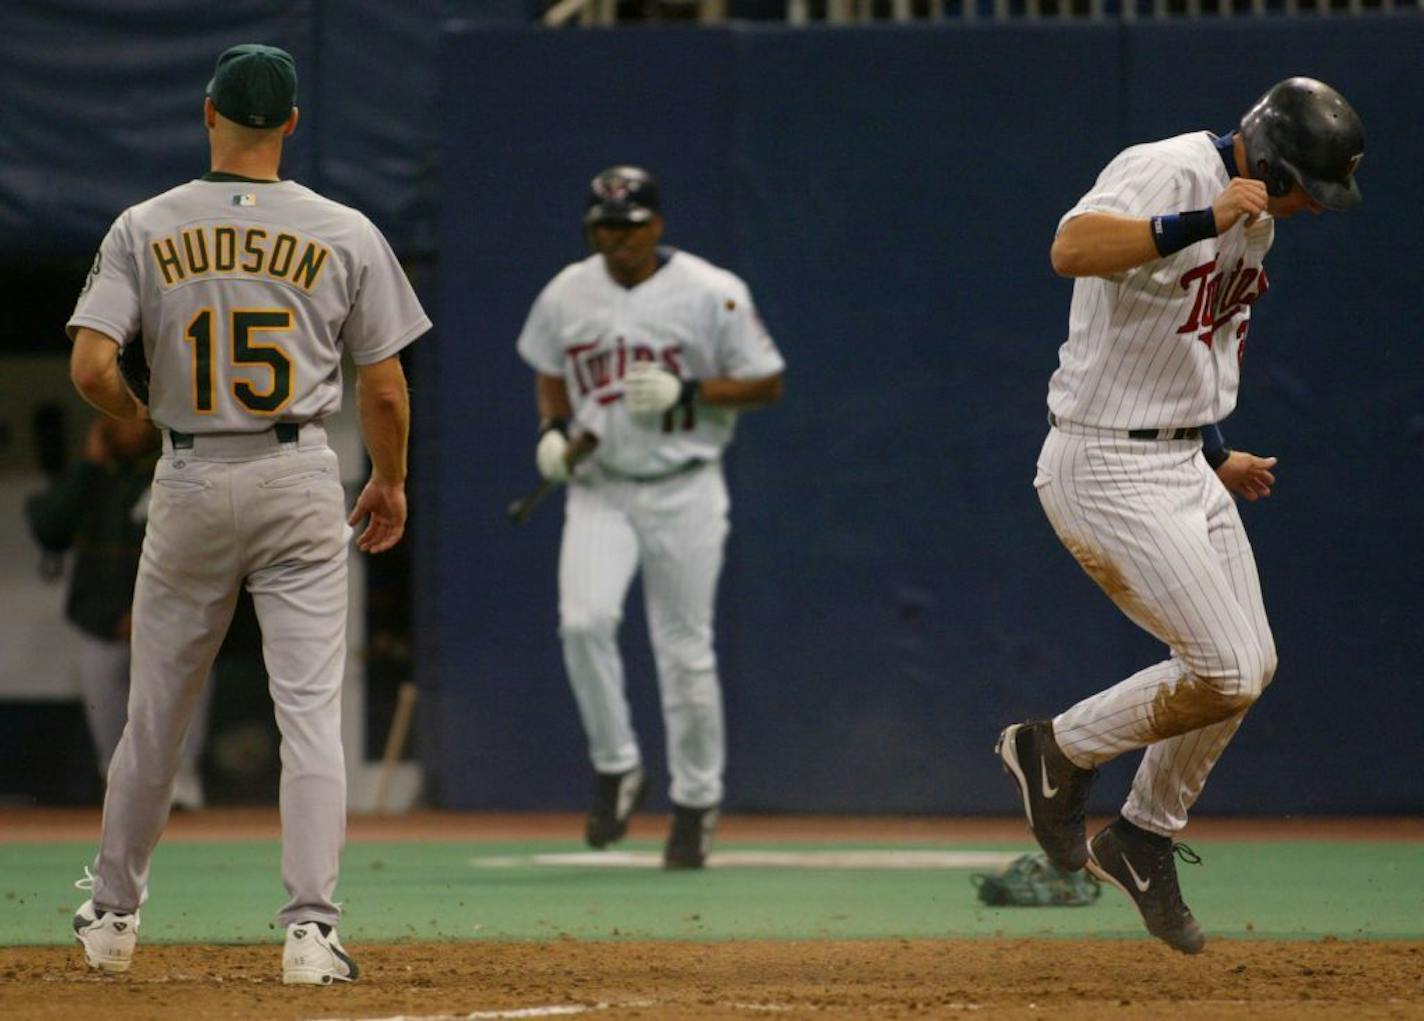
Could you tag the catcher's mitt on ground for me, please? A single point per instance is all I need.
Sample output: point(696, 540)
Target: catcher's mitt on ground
point(133, 367)
point(1031, 880)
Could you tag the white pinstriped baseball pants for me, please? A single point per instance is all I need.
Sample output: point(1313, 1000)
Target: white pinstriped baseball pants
point(675, 531)
point(1150, 522)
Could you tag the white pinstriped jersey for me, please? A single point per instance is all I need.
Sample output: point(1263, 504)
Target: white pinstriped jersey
point(691, 317)
point(245, 293)
point(1159, 346)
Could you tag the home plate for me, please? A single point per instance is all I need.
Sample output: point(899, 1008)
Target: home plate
point(877, 860)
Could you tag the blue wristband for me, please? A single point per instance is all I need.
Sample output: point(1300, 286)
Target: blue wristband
point(1214, 447)
point(1175, 231)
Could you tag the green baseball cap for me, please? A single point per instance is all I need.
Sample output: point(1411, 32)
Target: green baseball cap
point(254, 85)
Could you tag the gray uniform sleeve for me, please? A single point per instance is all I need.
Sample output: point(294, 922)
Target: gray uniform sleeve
point(744, 346)
point(385, 313)
point(109, 301)
point(539, 340)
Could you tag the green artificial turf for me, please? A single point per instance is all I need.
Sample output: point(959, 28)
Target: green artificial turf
point(229, 892)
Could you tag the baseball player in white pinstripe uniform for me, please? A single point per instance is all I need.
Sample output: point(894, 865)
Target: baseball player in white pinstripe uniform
point(244, 290)
point(654, 352)
point(1166, 250)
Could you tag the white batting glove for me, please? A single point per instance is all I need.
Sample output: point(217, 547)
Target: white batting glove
point(550, 456)
point(650, 390)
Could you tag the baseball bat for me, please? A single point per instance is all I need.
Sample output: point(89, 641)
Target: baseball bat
point(395, 741)
point(522, 509)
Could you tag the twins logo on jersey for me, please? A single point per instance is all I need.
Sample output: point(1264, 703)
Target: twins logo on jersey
point(595, 367)
point(1220, 297)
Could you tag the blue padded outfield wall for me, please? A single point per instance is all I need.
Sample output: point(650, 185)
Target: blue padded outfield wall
point(894, 594)
point(101, 106)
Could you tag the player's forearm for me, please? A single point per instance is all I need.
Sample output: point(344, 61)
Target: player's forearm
point(94, 370)
point(551, 397)
point(741, 393)
point(1098, 244)
point(384, 405)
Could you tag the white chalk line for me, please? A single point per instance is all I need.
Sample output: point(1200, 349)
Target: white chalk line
point(830, 860)
point(551, 1010)
point(570, 1009)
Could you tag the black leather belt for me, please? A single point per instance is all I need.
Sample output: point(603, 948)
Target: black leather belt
point(287, 432)
point(1183, 433)
point(1187, 433)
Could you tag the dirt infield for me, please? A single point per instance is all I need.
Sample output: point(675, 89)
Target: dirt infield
point(824, 980)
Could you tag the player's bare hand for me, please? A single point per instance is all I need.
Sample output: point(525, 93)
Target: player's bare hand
point(1242, 197)
point(1247, 475)
point(385, 505)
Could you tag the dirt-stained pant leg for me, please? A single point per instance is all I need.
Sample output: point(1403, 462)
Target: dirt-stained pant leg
point(1146, 522)
point(597, 560)
point(1173, 772)
point(291, 509)
point(683, 526)
point(187, 587)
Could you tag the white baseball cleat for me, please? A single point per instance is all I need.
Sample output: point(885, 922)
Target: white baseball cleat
point(314, 956)
point(108, 937)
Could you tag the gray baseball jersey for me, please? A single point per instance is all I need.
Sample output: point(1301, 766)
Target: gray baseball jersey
point(245, 294)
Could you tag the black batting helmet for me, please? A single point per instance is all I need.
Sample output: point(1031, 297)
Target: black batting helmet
point(1302, 131)
point(622, 195)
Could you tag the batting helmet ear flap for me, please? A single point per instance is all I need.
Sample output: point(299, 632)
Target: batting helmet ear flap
point(1276, 178)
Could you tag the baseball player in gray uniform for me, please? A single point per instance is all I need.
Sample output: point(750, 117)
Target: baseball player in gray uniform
point(245, 289)
point(1167, 250)
point(653, 352)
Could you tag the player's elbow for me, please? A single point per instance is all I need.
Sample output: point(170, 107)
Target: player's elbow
point(88, 376)
point(382, 387)
point(386, 399)
point(93, 363)
point(1068, 258)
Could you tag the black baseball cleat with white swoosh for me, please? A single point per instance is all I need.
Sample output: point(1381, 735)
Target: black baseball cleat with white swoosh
point(690, 837)
point(616, 796)
point(1054, 790)
point(1143, 866)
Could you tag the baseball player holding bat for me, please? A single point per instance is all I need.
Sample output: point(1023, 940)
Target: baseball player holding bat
point(245, 289)
point(655, 352)
point(578, 446)
point(1167, 253)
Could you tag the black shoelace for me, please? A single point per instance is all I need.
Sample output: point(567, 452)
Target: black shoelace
point(1165, 870)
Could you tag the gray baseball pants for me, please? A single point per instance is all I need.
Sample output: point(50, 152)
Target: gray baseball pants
point(234, 510)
